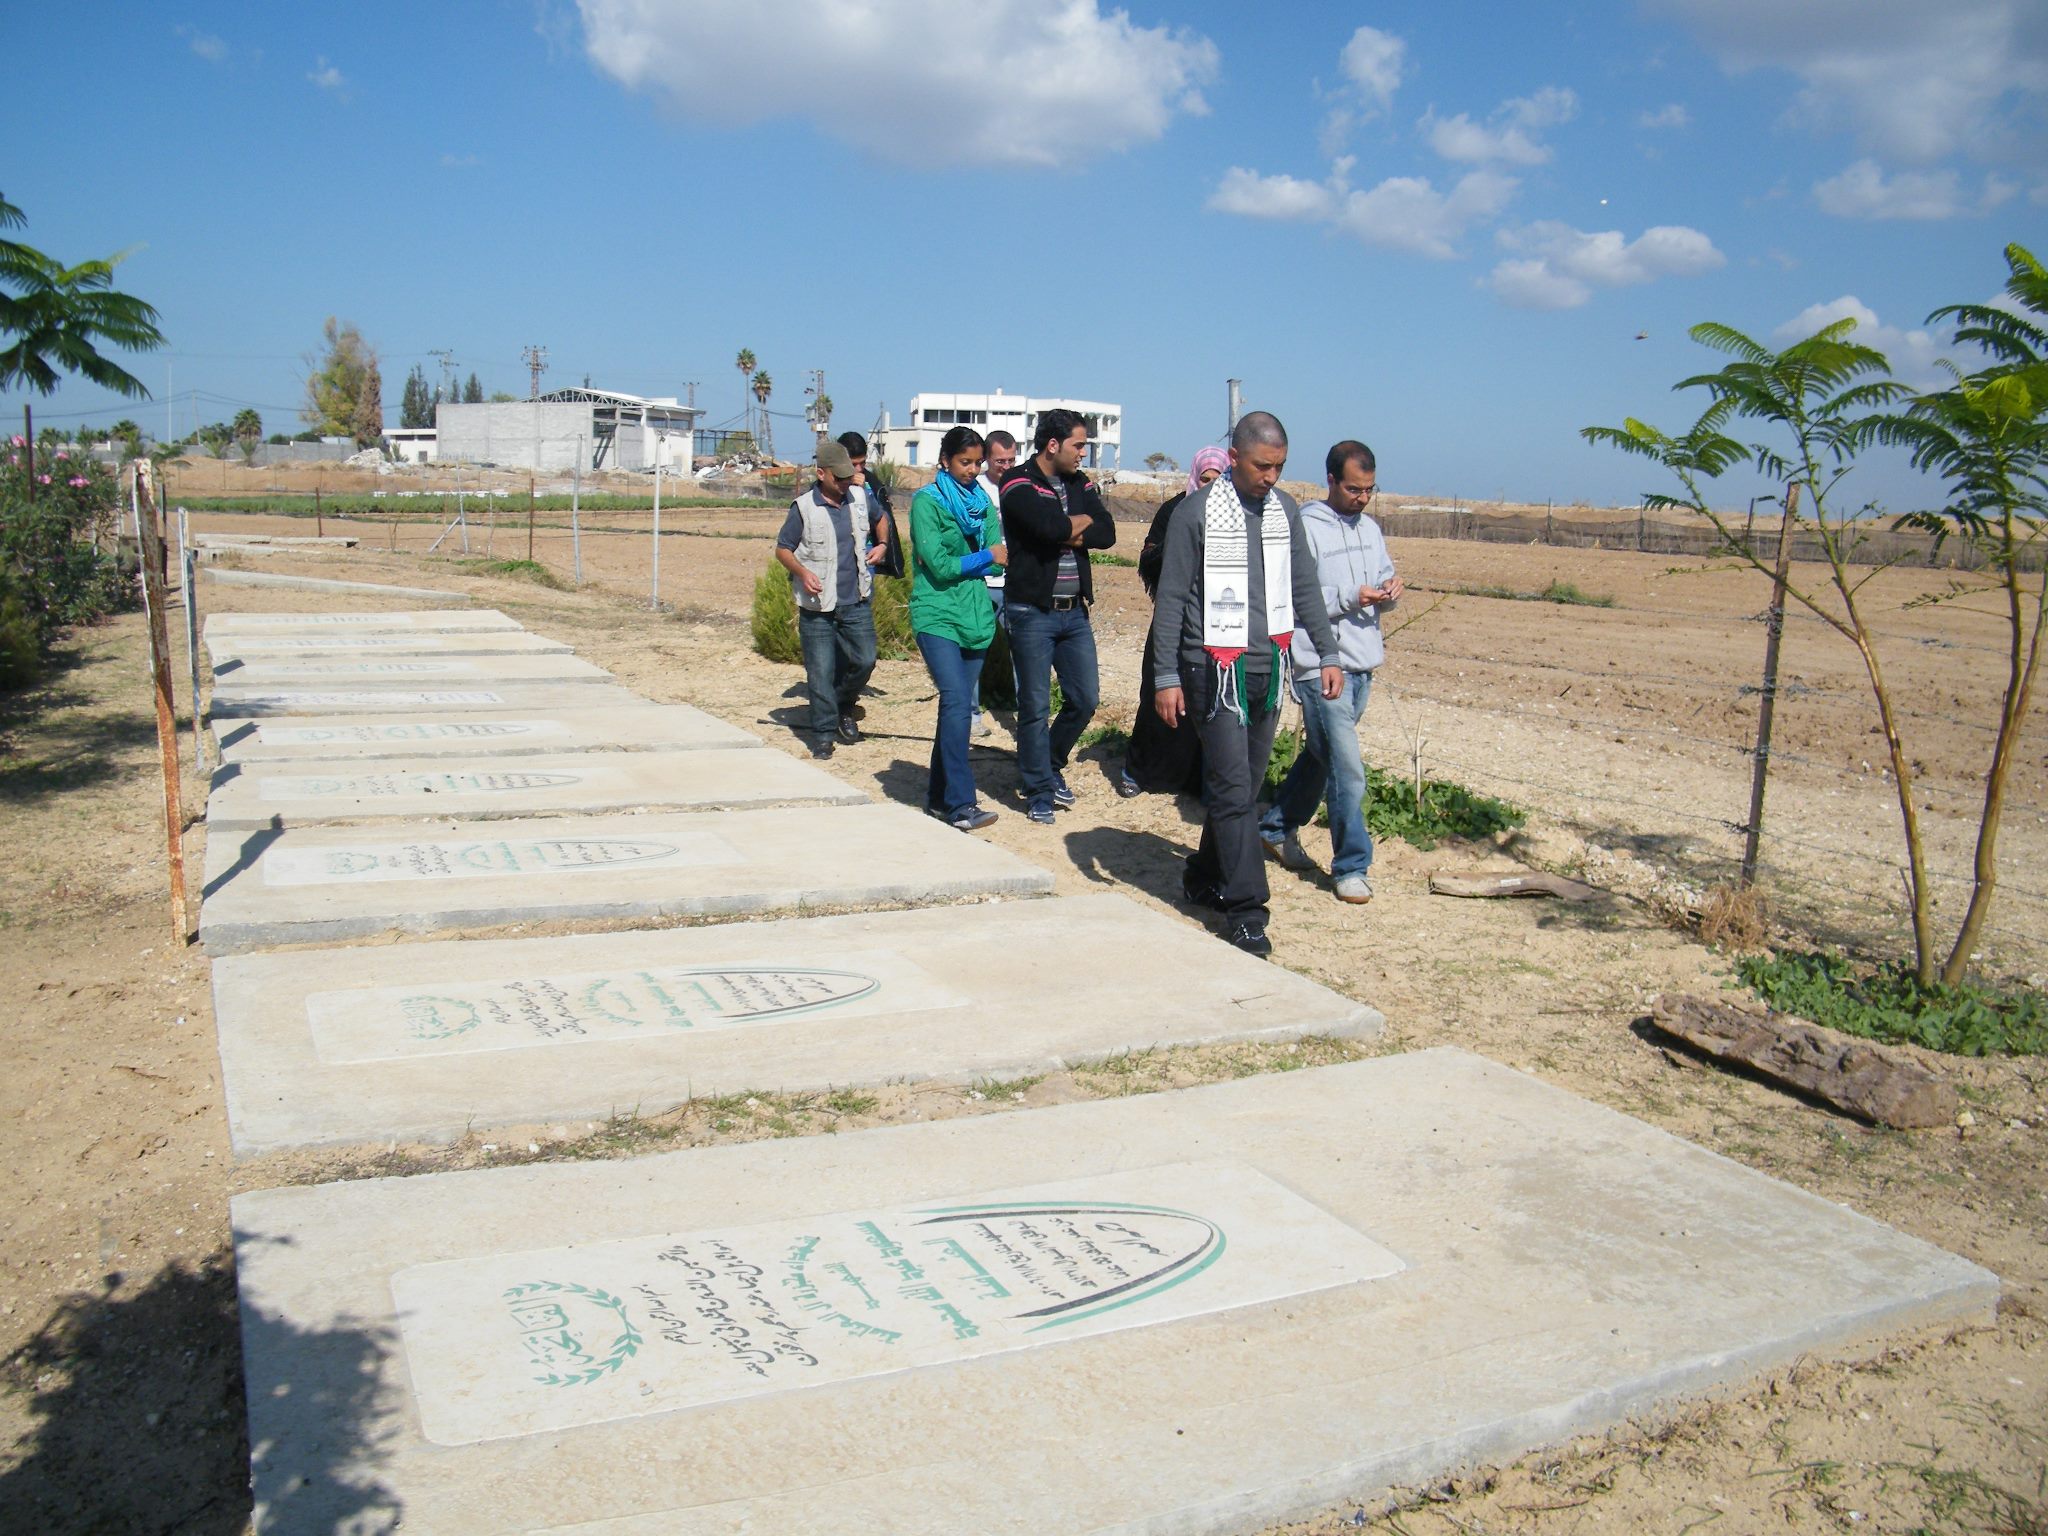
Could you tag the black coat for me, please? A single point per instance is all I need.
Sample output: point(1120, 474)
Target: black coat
point(1036, 530)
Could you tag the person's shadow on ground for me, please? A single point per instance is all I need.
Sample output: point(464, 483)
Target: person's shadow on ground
point(1144, 861)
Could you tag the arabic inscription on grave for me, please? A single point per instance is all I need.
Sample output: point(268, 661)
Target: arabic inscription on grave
point(515, 1344)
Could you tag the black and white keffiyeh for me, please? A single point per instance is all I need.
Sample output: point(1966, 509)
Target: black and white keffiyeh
point(1226, 580)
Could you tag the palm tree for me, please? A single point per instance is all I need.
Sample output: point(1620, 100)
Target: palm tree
point(763, 388)
point(746, 365)
point(53, 318)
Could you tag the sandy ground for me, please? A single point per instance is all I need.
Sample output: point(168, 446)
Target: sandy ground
point(1621, 729)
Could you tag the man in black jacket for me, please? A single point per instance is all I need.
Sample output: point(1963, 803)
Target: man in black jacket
point(1052, 517)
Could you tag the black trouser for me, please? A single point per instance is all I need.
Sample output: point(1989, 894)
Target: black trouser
point(1234, 754)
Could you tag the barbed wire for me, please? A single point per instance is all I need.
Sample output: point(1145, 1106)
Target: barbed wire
point(1781, 839)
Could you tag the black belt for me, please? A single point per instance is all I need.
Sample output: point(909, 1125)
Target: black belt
point(1064, 605)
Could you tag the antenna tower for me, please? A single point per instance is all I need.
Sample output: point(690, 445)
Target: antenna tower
point(536, 360)
point(447, 358)
point(814, 413)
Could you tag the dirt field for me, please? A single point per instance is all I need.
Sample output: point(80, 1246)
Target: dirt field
point(1621, 729)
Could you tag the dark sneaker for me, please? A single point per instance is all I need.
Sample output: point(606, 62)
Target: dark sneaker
point(1128, 788)
point(1249, 935)
point(849, 730)
point(822, 748)
point(971, 819)
point(1040, 810)
point(1201, 893)
point(1062, 796)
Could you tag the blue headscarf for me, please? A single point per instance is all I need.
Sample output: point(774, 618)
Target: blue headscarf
point(968, 503)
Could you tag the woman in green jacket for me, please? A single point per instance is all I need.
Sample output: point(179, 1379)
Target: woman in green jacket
point(954, 540)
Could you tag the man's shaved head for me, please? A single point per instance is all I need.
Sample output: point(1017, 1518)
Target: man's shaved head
point(1260, 428)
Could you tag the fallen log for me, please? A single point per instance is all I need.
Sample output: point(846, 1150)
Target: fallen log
point(1863, 1079)
point(1481, 883)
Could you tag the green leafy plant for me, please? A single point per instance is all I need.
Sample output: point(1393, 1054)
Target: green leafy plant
point(1890, 1003)
point(519, 570)
point(52, 529)
point(1446, 810)
point(54, 318)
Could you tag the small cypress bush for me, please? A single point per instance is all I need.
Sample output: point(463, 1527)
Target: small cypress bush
point(773, 618)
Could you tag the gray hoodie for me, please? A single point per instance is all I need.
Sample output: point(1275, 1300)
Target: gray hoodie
point(1350, 553)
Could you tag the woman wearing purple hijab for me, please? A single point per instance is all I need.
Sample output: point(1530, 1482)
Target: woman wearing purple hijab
point(1161, 758)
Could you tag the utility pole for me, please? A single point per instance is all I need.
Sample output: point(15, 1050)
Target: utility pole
point(447, 361)
point(536, 360)
point(815, 393)
point(1236, 401)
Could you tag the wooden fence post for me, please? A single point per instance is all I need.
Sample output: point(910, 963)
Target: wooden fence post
point(152, 553)
point(1773, 635)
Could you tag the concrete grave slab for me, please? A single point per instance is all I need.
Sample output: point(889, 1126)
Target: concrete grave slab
point(1203, 1311)
point(273, 540)
point(345, 645)
point(417, 620)
point(484, 736)
point(230, 578)
point(445, 1037)
point(409, 672)
point(246, 797)
point(240, 703)
point(314, 885)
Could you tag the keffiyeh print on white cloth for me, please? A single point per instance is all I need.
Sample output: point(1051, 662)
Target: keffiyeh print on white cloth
point(1227, 620)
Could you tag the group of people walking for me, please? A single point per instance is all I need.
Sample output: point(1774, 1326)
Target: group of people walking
point(1254, 597)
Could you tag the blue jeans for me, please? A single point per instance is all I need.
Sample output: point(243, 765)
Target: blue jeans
point(1329, 759)
point(958, 674)
point(839, 658)
point(1043, 642)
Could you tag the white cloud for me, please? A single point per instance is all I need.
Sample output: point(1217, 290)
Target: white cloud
point(1252, 196)
point(1558, 267)
point(1507, 135)
point(327, 77)
point(1004, 83)
point(1533, 285)
point(1864, 191)
point(1374, 61)
point(1672, 116)
point(455, 162)
point(1914, 82)
point(1912, 354)
point(205, 44)
point(1408, 213)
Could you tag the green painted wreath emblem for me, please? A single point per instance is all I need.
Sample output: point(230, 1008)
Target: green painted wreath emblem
point(551, 1341)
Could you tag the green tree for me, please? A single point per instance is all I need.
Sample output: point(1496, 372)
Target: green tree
point(746, 364)
point(247, 426)
point(54, 318)
point(764, 386)
point(335, 380)
point(215, 437)
point(416, 405)
point(473, 392)
point(1159, 461)
point(1986, 438)
point(1826, 397)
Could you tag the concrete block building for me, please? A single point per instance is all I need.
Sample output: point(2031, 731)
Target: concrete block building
point(597, 428)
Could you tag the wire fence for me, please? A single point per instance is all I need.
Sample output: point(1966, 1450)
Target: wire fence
point(1875, 541)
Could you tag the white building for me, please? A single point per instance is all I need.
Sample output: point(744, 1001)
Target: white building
point(932, 415)
point(411, 445)
point(598, 428)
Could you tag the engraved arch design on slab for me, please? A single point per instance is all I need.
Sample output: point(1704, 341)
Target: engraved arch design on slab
point(1208, 1245)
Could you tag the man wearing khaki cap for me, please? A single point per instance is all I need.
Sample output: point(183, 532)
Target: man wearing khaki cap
point(830, 552)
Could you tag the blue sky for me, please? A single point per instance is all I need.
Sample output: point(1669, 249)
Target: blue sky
point(1439, 227)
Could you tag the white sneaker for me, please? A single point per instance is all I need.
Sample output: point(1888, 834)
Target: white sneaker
point(1355, 889)
point(982, 727)
point(1287, 850)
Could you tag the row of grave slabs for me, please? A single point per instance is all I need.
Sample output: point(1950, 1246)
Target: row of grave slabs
point(1201, 1311)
